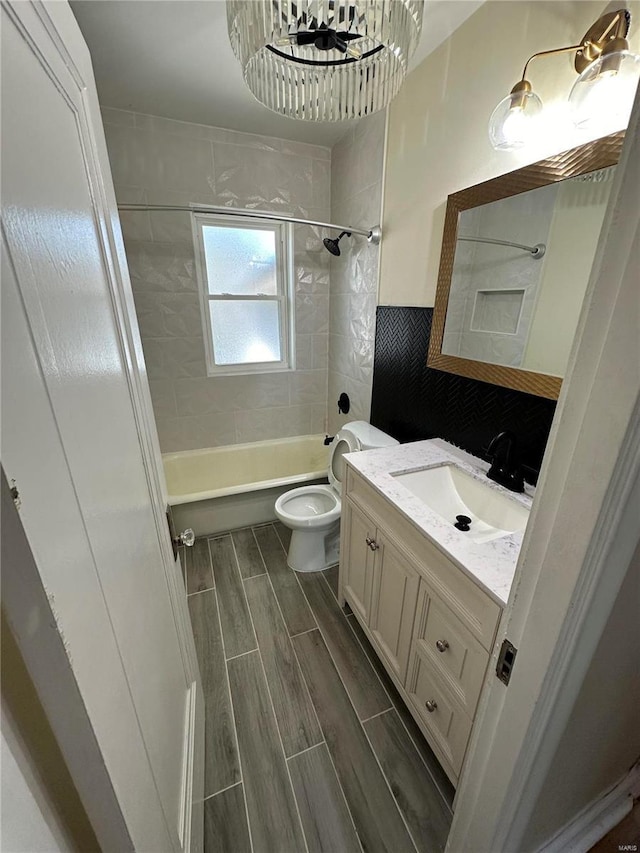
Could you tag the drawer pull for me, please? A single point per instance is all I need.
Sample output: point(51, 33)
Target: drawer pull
point(372, 543)
point(442, 645)
point(431, 705)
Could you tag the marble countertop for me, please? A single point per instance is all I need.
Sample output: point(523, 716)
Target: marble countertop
point(490, 564)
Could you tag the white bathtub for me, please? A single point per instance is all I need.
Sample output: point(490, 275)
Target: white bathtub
point(221, 488)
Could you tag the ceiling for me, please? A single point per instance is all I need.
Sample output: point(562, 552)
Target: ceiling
point(173, 58)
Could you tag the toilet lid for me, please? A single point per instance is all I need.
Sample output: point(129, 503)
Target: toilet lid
point(344, 442)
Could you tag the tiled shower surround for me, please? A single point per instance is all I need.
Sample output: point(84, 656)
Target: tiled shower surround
point(356, 199)
point(160, 161)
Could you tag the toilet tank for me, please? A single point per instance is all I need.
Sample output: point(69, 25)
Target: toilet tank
point(369, 436)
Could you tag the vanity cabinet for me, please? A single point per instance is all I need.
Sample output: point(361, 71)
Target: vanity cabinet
point(431, 625)
point(381, 585)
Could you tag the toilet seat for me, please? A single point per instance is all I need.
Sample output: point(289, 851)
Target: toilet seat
point(312, 513)
point(318, 506)
point(309, 506)
point(344, 442)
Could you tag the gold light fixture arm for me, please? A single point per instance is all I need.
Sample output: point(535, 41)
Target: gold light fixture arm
point(610, 27)
point(569, 49)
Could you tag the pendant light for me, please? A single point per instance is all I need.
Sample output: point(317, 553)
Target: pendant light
point(601, 97)
point(513, 121)
point(324, 60)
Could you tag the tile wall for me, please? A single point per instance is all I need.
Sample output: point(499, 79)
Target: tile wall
point(412, 401)
point(356, 199)
point(156, 160)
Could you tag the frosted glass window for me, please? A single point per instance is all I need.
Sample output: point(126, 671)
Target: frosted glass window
point(245, 332)
point(240, 261)
point(244, 274)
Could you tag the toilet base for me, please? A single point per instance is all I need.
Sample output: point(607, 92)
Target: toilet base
point(314, 550)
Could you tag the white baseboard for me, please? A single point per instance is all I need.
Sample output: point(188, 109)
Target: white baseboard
point(594, 821)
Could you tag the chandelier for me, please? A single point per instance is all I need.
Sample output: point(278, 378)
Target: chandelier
point(324, 60)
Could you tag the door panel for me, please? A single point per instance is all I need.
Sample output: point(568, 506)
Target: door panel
point(395, 595)
point(71, 441)
point(358, 558)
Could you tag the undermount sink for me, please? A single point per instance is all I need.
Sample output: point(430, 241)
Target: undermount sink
point(449, 491)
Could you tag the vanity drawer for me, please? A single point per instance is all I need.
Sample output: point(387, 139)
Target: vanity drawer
point(473, 607)
point(451, 649)
point(446, 722)
point(357, 488)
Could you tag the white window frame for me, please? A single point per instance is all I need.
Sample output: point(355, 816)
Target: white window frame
point(284, 297)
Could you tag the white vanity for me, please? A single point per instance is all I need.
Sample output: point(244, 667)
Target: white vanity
point(430, 596)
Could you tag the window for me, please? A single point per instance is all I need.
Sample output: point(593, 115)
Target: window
point(245, 277)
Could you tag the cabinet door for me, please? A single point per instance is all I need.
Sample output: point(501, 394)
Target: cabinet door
point(357, 559)
point(395, 591)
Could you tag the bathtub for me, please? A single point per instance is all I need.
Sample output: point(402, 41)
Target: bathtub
point(221, 488)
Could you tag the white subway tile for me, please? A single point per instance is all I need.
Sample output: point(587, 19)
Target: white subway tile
point(169, 315)
point(161, 267)
point(339, 314)
point(163, 398)
point(262, 424)
point(308, 386)
point(174, 358)
point(196, 432)
point(320, 352)
point(231, 393)
point(318, 418)
point(304, 352)
point(304, 149)
point(312, 313)
point(178, 162)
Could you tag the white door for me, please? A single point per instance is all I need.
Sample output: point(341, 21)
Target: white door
point(74, 436)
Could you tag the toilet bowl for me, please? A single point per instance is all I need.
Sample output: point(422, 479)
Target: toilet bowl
point(312, 513)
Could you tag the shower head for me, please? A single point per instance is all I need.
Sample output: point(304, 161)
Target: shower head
point(332, 245)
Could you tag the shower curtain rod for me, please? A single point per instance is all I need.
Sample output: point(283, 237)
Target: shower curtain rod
point(537, 251)
point(373, 235)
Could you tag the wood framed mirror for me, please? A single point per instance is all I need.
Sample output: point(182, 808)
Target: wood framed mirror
point(516, 256)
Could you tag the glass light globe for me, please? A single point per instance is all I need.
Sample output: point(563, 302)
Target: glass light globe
point(514, 120)
point(602, 96)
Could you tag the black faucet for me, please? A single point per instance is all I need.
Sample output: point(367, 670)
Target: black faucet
point(505, 468)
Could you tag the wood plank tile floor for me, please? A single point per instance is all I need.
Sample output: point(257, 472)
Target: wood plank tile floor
point(309, 748)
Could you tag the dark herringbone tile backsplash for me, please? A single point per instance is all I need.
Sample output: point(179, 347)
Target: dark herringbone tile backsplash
point(411, 401)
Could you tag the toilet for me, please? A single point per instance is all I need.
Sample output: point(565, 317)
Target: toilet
point(312, 513)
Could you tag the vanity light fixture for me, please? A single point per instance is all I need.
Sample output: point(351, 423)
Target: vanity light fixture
point(603, 93)
point(324, 60)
